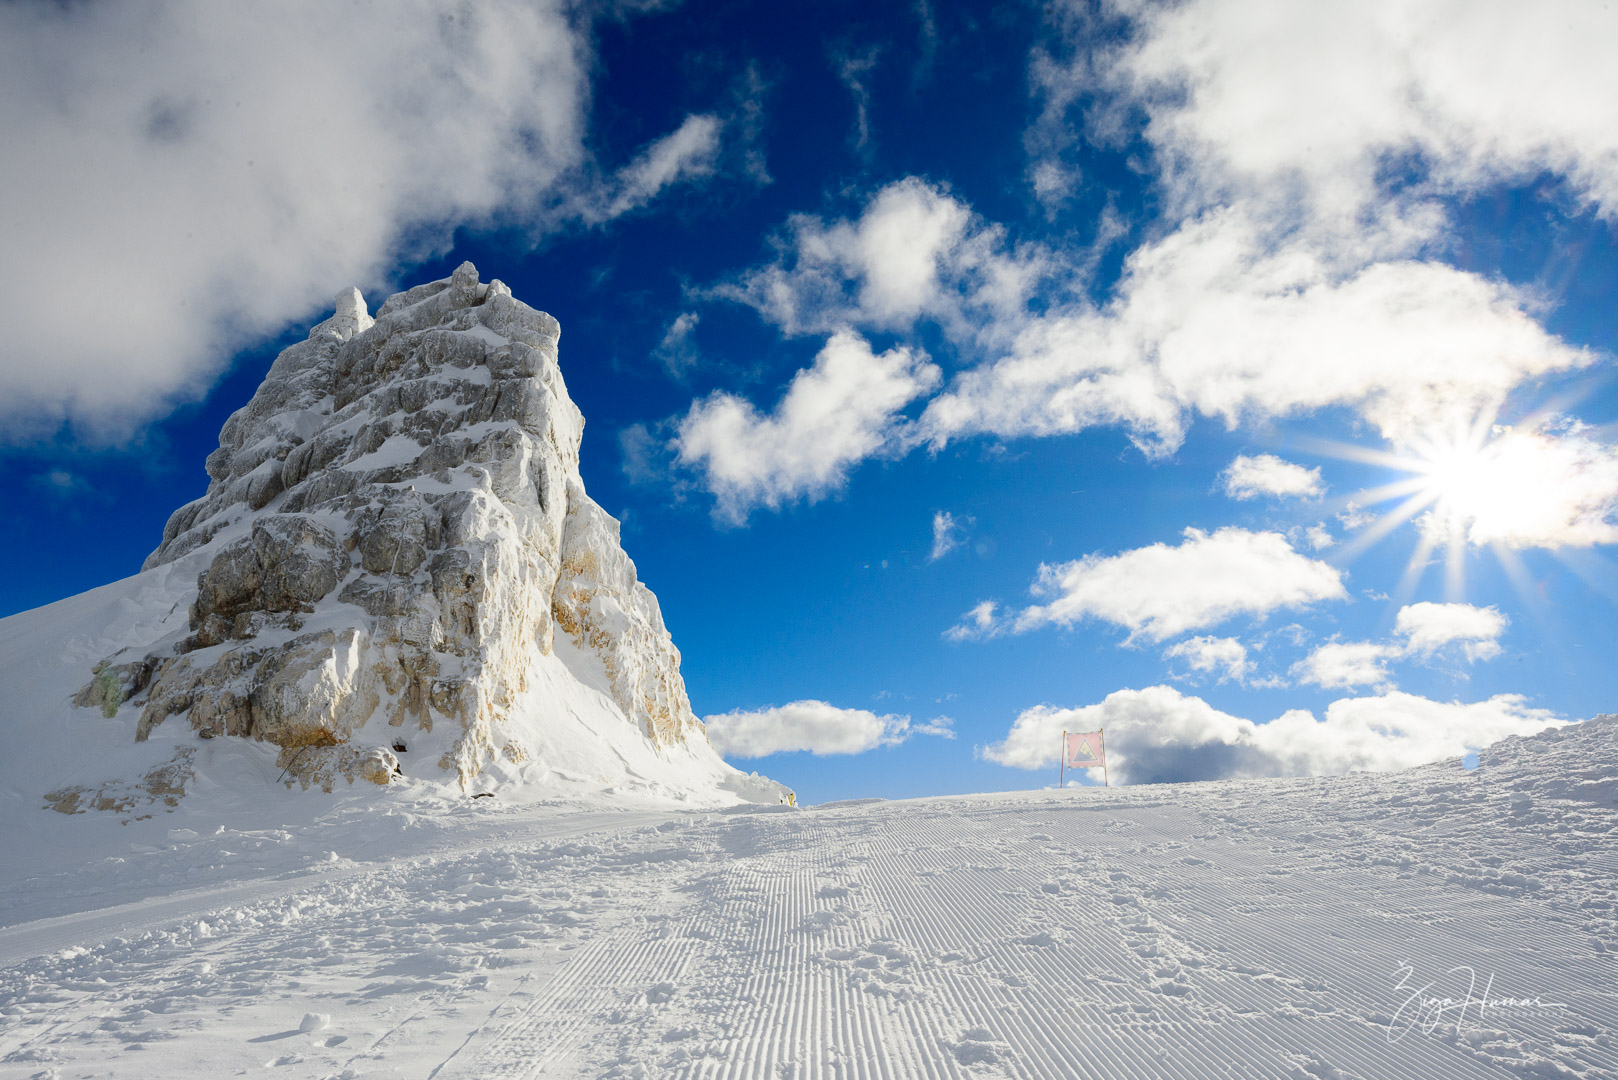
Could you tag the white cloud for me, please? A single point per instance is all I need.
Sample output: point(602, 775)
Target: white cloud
point(1526, 488)
point(1158, 735)
point(1294, 273)
point(1355, 516)
point(1222, 319)
point(915, 252)
point(1348, 664)
point(1249, 477)
point(1321, 97)
point(643, 455)
point(59, 483)
point(947, 533)
point(1204, 654)
point(1317, 536)
point(981, 622)
point(853, 70)
point(1159, 592)
point(196, 175)
point(816, 727)
point(834, 414)
point(1297, 277)
point(1428, 627)
point(687, 152)
point(675, 349)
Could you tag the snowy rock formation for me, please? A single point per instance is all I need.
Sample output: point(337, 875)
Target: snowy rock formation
point(396, 560)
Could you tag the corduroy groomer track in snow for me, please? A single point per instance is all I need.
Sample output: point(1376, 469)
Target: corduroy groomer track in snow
point(1272, 928)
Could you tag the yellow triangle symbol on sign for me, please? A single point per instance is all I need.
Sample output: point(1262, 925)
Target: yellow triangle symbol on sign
point(1084, 750)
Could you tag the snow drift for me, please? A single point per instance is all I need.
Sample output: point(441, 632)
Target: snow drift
point(395, 575)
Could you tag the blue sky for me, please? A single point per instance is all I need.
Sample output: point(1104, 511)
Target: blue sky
point(960, 373)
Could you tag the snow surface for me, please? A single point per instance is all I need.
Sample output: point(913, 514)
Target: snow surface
point(1268, 928)
point(47, 743)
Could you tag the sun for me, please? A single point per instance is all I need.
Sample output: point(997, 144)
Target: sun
point(1459, 481)
point(1542, 483)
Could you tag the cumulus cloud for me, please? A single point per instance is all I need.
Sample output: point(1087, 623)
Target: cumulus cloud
point(816, 727)
point(1220, 319)
point(1348, 664)
point(835, 413)
point(1550, 487)
point(1428, 627)
point(196, 175)
point(1244, 97)
point(1319, 537)
point(1205, 655)
point(1300, 253)
point(1355, 516)
point(1295, 268)
point(914, 252)
point(1250, 477)
point(1159, 735)
point(1159, 592)
point(947, 533)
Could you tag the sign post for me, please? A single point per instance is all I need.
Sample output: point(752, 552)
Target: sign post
point(1084, 750)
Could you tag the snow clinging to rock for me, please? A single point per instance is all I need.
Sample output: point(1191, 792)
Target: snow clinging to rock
point(396, 559)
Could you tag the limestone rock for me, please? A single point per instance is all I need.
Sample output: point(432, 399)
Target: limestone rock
point(163, 786)
point(394, 530)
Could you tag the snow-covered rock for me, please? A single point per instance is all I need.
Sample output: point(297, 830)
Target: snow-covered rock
point(396, 572)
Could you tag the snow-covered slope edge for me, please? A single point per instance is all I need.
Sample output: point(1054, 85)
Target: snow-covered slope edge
point(1307, 927)
point(394, 532)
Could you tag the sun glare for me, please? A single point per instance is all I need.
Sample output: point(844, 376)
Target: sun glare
point(1542, 484)
point(1466, 481)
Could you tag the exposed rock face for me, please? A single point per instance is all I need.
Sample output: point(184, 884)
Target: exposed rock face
point(393, 533)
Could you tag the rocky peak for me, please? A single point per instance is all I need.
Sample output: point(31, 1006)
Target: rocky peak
point(393, 534)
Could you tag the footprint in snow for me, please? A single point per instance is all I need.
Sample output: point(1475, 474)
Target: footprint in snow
point(978, 1047)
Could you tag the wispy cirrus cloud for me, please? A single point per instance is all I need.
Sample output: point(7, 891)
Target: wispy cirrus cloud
point(948, 531)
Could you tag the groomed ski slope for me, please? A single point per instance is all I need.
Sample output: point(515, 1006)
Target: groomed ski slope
point(1242, 929)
